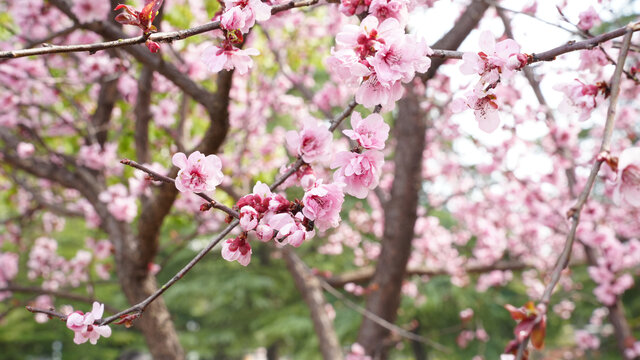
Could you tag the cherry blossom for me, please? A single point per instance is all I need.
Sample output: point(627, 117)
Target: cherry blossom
point(322, 204)
point(197, 173)
point(579, 97)
point(491, 62)
point(627, 186)
point(228, 57)
point(370, 132)
point(586, 340)
point(120, 203)
point(588, 19)
point(237, 249)
point(359, 172)
point(313, 142)
point(246, 13)
point(291, 229)
point(83, 325)
point(484, 108)
point(89, 10)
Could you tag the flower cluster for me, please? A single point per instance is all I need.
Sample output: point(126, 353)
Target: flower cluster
point(378, 56)
point(236, 20)
point(269, 216)
point(360, 170)
point(83, 325)
point(493, 62)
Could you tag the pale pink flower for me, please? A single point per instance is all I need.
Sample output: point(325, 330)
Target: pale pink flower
point(372, 92)
point(197, 173)
point(25, 150)
point(490, 63)
point(83, 325)
point(322, 204)
point(228, 57)
point(313, 142)
point(42, 302)
point(385, 9)
point(352, 7)
point(120, 204)
point(248, 218)
point(90, 10)
point(347, 65)
point(163, 112)
point(579, 97)
point(8, 270)
point(290, 228)
point(369, 36)
point(370, 132)
point(628, 180)
point(359, 172)
point(248, 10)
point(357, 352)
point(237, 249)
point(484, 108)
point(401, 59)
point(586, 340)
point(588, 19)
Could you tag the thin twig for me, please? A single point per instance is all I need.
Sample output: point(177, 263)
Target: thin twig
point(167, 36)
point(574, 212)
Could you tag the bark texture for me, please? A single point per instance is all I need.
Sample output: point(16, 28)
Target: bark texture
point(401, 209)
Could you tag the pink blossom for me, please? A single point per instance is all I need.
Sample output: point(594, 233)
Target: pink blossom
point(290, 228)
point(370, 132)
point(197, 173)
point(579, 97)
point(401, 59)
point(484, 108)
point(491, 61)
point(367, 38)
point(586, 340)
point(163, 112)
point(90, 10)
point(83, 325)
point(359, 172)
point(352, 7)
point(8, 271)
point(372, 92)
point(322, 204)
point(385, 9)
point(248, 218)
point(119, 203)
point(42, 302)
point(313, 142)
point(627, 188)
point(357, 353)
point(246, 14)
point(25, 150)
point(588, 19)
point(237, 249)
point(264, 232)
point(96, 157)
point(228, 57)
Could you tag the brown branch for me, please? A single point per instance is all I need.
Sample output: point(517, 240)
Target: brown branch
point(574, 212)
point(364, 274)
point(143, 114)
point(168, 36)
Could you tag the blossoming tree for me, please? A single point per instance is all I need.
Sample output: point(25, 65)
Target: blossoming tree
point(334, 138)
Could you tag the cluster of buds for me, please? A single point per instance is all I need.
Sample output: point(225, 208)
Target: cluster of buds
point(269, 216)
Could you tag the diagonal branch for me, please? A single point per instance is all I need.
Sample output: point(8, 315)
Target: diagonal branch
point(574, 212)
